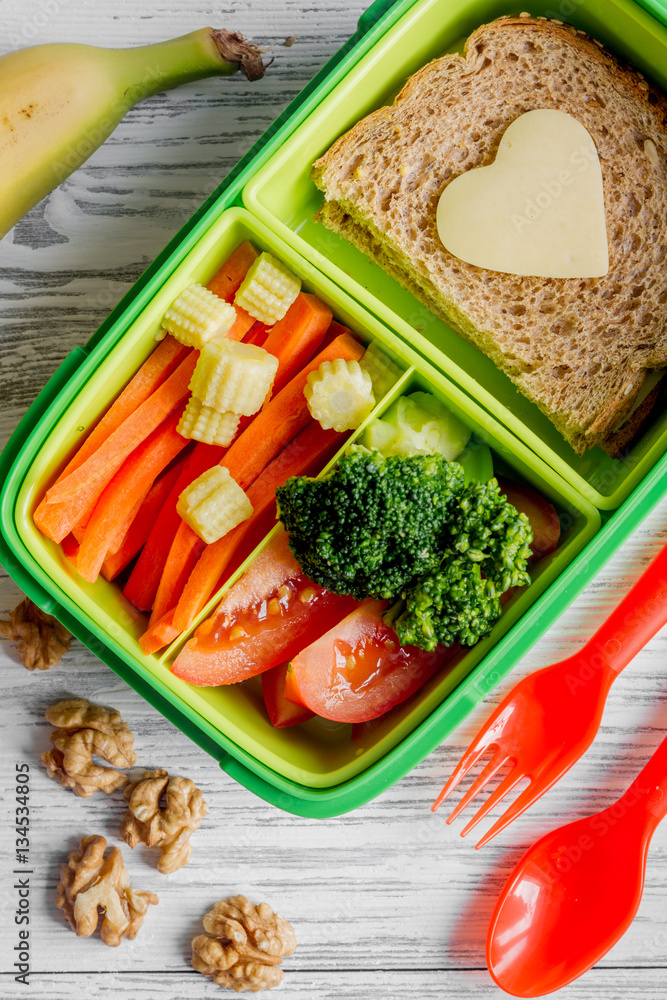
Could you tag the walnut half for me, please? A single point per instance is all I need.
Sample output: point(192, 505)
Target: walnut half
point(89, 882)
point(42, 639)
point(243, 945)
point(168, 828)
point(86, 730)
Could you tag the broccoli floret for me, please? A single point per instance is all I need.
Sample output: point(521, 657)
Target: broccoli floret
point(374, 524)
point(487, 529)
point(487, 554)
point(409, 529)
point(454, 604)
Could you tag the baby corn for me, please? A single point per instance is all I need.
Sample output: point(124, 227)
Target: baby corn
point(201, 423)
point(339, 395)
point(213, 504)
point(233, 377)
point(382, 370)
point(197, 316)
point(268, 289)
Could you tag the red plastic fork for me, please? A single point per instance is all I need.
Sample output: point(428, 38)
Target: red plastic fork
point(549, 719)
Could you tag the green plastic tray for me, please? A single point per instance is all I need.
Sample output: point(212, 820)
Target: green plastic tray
point(313, 771)
point(318, 754)
point(283, 193)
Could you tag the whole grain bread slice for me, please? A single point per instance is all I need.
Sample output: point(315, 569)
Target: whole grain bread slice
point(579, 348)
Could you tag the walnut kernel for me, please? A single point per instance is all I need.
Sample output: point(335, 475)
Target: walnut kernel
point(90, 882)
point(168, 828)
point(243, 945)
point(42, 640)
point(86, 730)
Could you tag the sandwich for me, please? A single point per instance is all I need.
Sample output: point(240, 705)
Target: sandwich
point(584, 350)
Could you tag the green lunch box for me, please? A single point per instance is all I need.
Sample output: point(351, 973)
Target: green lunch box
point(317, 769)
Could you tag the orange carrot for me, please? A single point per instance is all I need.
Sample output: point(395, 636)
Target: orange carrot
point(227, 280)
point(78, 532)
point(142, 584)
point(128, 486)
point(185, 550)
point(336, 329)
point(158, 635)
point(242, 324)
point(157, 367)
point(295, 338)
point(123, 526)
point(307, 453)
point(264, 437)
point(82, 487)
point(117, 559)
point(257, 335)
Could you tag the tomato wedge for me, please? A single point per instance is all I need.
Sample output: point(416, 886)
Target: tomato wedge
point(282, 712)
point(271, 613)
point(358, 670)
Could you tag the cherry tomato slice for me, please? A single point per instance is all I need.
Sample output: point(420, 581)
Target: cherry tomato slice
point(271, 613)
point(358, 670)
point(281, 711)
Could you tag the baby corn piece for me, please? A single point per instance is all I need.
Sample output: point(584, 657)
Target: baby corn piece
point(233, 377)
point(339, 395)
point(202, 423)
point(198, 316)
point(268, 289)
point(382, 370)
point(213, 504)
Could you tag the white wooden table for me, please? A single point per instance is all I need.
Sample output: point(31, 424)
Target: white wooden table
point(387, 902)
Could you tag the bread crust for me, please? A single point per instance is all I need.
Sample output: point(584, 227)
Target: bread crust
point(579, 348)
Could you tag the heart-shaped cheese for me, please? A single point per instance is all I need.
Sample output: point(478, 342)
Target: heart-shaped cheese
point(538, 209)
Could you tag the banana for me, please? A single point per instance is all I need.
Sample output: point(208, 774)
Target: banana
point(59, 102)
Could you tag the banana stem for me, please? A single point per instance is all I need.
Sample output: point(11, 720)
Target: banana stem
point(151, 69)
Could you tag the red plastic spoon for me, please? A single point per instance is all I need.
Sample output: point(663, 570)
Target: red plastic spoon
point(576, 891)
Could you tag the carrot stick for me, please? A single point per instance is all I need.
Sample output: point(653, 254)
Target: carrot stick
point(158, 635)
point(264, 437)
point(82, 487)
point(307, 453)
point(185, 550)
point(142, 584)
point(336, 329)
point(136, 535)
point(129, 485)
point(297, 336)
point(157, 367)
point(258, 334)
point(227, 281)
point(123, 526)
point(241, 325)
